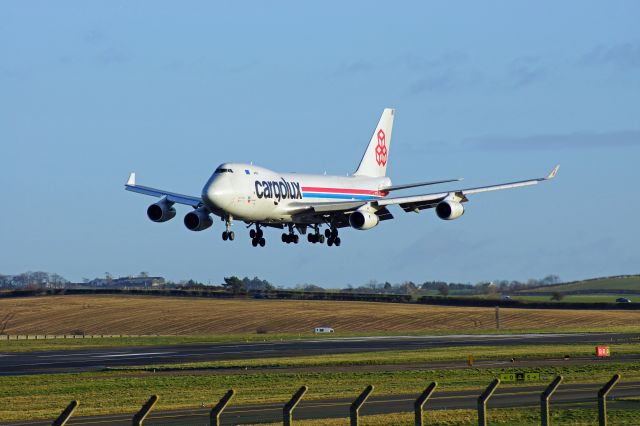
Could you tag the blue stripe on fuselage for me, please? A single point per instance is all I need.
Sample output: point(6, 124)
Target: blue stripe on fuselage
point(338, 196)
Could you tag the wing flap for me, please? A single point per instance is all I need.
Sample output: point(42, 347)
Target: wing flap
point(417, 206)
point(411, 200)
point(344, 206)
point(384, 214)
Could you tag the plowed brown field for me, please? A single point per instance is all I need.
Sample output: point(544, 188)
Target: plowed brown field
point(181, 316)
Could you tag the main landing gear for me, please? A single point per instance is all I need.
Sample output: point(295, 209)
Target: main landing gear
point(332, 237)
point(228, 234)
point(290, 237)
point(316, 237)
point(257, 237)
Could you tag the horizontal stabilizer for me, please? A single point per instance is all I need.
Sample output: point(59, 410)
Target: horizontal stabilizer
point(415, 185)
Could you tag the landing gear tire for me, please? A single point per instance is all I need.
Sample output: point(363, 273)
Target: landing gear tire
point(329, 242)
point(252, 233)
point(310, 238)
point(254, 242)
point(259, 233)
point(225, 236)
point(327, 233)
point(336, 241)
point(290, 238)
point(262, 242)
point(231, 235)
point(320, 239)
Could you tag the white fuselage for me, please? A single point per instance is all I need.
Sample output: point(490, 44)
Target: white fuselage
point(253, 193)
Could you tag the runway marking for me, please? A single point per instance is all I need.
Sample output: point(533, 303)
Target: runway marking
point(131, 354)
point(81, 354)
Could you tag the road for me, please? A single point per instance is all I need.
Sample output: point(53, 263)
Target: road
point(512, 396)
point(12, 363)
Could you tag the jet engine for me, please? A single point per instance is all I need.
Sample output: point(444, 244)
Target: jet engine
point(449, 210)
point(363, 220)
point(161, 211)
point(198, 220)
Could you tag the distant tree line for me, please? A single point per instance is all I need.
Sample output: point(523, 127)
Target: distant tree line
point(32, 279)
point(236, 285)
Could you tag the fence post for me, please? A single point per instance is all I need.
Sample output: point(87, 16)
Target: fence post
point(287, 411)
point(144, 411)
point(66, 414)
point(220, 406)
point(354, 410)
point(422, 399)
point(602, 399)
point(482, 402)
point(544, 400)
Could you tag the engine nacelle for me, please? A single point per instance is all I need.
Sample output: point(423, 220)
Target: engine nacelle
point(363, 220)
point(161, 211)
point(198, 220)
point(449, 210)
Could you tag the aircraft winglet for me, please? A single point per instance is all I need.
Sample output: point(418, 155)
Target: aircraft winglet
point(553, 173)
point(132, 179)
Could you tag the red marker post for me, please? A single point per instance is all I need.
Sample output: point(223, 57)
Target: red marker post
point(602, 351)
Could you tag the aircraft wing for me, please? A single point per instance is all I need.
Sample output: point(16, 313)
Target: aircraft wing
point(408, 204)
point(426, 201)
point(171, 196)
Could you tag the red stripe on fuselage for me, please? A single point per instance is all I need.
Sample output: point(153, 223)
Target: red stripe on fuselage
point(344, 191)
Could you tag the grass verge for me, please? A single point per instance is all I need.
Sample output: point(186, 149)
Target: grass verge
point(417, 357)
point(44, 396)
point(499, 416)
point(112, 342)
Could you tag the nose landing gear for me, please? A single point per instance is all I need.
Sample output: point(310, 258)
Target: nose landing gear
point(228, 234)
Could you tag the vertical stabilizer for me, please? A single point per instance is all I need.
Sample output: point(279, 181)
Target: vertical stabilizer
point(375, 159)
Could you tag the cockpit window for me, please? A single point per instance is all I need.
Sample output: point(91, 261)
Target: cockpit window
point(221, 170)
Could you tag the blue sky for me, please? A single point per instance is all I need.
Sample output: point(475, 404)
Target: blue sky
point(491, 91)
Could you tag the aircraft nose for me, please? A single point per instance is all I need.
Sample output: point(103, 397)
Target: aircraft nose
point(218, 193)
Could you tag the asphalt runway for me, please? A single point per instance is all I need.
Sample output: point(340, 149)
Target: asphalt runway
point(525, 396)
point(12, 363)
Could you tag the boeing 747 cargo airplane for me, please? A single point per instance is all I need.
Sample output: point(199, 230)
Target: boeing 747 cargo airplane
point(301, 204)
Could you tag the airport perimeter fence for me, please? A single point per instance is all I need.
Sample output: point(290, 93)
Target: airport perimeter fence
point(67, 336)
point(354, 409)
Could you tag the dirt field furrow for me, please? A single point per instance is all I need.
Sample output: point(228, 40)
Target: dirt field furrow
point(182, 316)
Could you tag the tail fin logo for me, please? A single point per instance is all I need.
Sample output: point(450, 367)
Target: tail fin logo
point(381, 149)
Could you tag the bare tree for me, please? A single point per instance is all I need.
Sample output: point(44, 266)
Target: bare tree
point(443, 289)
